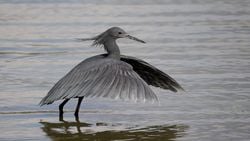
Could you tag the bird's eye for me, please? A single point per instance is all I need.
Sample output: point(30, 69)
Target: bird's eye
point(119, 32)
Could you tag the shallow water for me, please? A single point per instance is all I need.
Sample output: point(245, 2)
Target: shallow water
point(204, 45)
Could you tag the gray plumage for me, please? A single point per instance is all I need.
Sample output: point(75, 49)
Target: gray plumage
point(100, 76)
point(111, 75)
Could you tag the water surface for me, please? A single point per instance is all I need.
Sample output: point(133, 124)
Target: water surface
point(204, 45)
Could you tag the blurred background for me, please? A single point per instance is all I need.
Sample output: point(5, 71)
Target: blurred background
point(203, 44)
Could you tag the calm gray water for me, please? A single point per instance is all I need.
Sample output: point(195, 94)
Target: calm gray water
point(203, 44)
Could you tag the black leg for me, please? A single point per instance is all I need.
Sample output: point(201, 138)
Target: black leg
point(61, 109)
point(77, 108)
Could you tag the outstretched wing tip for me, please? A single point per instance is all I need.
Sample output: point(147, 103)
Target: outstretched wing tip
point(41, 104)
point(151, 75)
point(45, 101)
point(178, 87)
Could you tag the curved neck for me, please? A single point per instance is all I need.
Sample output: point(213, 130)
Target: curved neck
point(112, 48)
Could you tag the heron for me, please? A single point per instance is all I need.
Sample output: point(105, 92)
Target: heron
point(110, 75)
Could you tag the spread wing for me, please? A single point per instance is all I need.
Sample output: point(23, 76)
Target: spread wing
point(152, 75)
point(101, 77)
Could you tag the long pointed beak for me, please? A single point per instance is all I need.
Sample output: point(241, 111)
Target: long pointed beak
point(134, 38)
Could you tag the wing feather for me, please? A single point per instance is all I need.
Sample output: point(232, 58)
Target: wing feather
point(101, 77)
point(151, 74)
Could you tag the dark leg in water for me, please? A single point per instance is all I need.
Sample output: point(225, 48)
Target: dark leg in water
point(61, 109)
point(78, 108)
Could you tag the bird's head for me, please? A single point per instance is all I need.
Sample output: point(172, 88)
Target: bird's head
point(112, 33)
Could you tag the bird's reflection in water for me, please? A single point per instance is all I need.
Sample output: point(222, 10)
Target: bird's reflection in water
point(71, 131)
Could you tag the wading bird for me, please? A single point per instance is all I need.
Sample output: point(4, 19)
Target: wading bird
point(110, 75)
